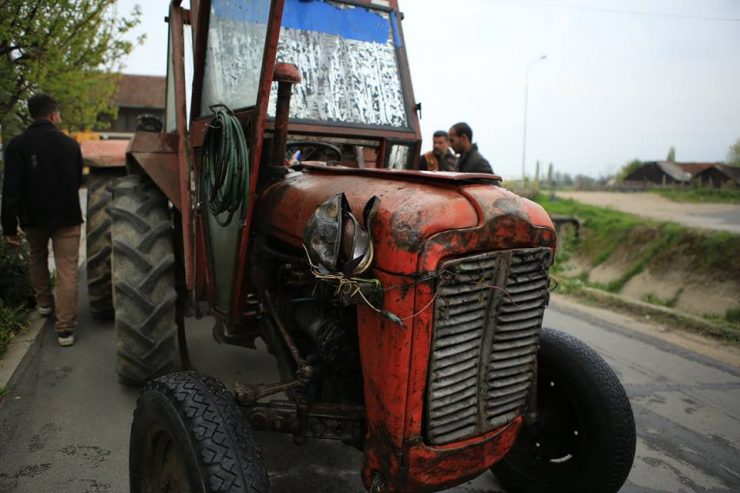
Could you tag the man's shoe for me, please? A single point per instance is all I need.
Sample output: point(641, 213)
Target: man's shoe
point(44, 311)
point(65, 339)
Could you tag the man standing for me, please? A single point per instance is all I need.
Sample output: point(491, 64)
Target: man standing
point(471, 161)
point(441, 157)
point(43, 171)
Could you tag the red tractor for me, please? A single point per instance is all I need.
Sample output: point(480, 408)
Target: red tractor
point(404, 308)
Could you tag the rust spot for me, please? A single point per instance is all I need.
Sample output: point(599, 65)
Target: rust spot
point(512, 206)
point(406, 229)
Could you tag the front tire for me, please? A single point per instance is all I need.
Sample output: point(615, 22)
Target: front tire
point(584, 439)
point(189, 436)
point(144, 292)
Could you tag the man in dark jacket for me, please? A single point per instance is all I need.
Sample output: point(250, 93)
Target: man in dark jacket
point(470, 161)
point(43, 170)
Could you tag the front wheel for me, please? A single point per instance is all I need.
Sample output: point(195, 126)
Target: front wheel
point(584, 437)
point(189, 436)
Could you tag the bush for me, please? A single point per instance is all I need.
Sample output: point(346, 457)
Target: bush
point(15, 282)
point(16, 294)
point(733, 315)
point(11, 321)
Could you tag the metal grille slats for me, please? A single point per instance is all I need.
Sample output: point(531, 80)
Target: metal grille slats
point(488, 315)
point(517, 331)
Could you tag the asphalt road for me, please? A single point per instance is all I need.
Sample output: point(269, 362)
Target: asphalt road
point(64, 423)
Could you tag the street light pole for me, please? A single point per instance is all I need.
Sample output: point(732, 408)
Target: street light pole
point(526, 101)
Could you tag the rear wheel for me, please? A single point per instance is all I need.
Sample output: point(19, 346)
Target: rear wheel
point(98, 241)
point(144, 292)
point(584, 438)
point(189, 436)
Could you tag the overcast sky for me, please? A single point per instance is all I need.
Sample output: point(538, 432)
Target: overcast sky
point(623, 79)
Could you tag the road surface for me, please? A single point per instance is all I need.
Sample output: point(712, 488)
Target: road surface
point(720, 217)
point(64, 422)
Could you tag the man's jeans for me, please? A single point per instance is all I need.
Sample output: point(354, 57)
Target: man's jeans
point(66, 244)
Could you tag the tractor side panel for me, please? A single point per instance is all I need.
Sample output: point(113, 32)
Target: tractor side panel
point(156, 155)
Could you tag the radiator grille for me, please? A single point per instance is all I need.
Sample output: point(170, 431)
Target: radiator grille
point(487, 319)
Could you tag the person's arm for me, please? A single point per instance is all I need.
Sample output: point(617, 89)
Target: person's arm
point(80, 166)
point(12, 193)
point(450, 161)
point(423, 166)
point(482, 166)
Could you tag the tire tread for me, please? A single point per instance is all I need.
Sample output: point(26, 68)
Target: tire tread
point(228, 457)
point(143, 280)
point(98, 243)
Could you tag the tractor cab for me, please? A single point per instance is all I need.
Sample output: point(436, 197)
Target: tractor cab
point(309, 81)
point(351, 101)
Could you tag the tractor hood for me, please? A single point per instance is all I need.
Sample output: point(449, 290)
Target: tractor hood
point(423, 216)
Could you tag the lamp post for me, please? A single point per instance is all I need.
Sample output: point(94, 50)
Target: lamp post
point(526, 100)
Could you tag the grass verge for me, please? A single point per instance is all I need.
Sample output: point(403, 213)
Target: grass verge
point(636, 244)
point(714, 327)
point(701, 195)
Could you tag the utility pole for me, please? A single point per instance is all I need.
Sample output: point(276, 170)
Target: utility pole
point(526, 101)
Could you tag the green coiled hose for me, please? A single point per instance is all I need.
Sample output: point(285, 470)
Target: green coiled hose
point(224, 166)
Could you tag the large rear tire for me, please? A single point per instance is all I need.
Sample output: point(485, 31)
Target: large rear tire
point(189, 436)
point(144, 292)
point(584, 438)
point(98, 241)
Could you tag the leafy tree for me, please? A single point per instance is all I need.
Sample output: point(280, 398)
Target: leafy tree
point(70, 49)
point(549, 174)
point(628, 168)
point(733, 155)
point(671, 155)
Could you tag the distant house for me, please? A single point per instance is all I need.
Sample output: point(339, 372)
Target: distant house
point(718, 175)
point(669, 173)
point(658, 173)
point(136, 95)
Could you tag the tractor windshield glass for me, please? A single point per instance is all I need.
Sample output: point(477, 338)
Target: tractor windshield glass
point(236, 42)
point(347, 55)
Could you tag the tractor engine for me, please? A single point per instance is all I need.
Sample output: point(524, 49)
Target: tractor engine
point(322, 327)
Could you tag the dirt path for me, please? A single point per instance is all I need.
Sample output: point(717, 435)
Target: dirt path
point(723, 217)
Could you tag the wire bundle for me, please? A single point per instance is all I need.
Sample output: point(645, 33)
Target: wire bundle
point(224, 166)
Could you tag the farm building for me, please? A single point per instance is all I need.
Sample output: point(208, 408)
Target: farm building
point(669, 173)
point(658, 173)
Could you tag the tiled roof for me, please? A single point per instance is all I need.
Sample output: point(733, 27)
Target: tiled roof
point(696, 168)
point(140, 91)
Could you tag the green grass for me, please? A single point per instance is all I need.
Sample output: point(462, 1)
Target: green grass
point(733, 315)
point(699, 195)
point(713, 326)
point(654, 299)
point(16, 295)
point(601, 229)
point(639, 244)
point(643, 242)
point(12, 320)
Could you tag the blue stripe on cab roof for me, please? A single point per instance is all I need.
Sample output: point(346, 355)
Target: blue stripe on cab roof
point(346, 21)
